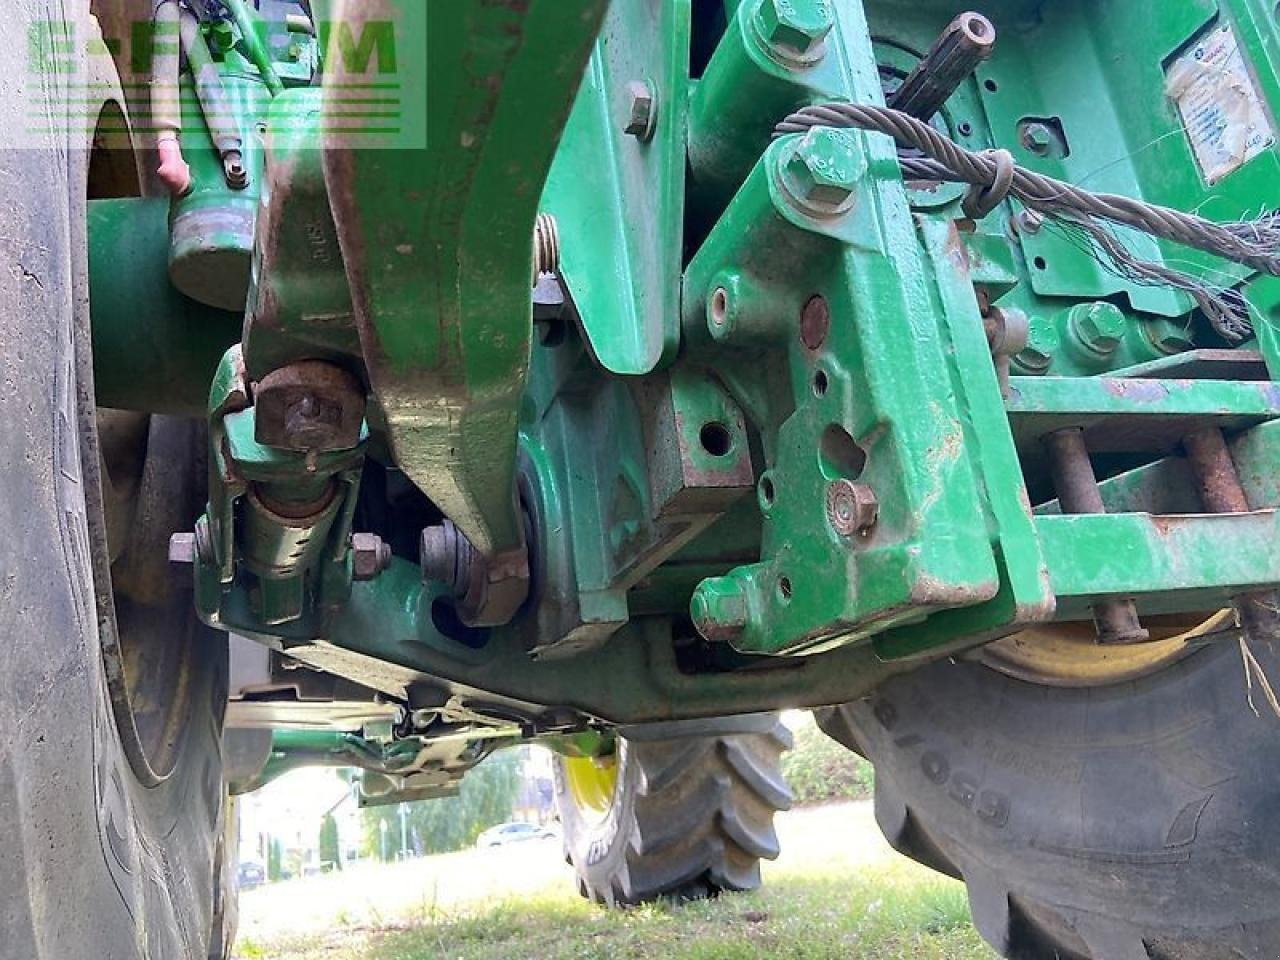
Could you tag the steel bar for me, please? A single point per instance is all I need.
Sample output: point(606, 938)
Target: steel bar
point(1077, 486)
point(1168, 564)
point(258, 53)
point(1218, 483)
point(968, 40)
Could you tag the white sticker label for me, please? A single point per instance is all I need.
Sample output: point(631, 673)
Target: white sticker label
point(1221, 108)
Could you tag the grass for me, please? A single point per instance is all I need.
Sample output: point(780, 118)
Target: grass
point(837, 892)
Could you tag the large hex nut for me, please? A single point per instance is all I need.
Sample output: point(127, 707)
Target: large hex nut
point(309, 405)
point(370, 556)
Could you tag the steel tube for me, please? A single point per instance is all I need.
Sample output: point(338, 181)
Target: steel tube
point(166, 110)
point(1218, 483)
point(219, 116)
point(1077, 486)
point(1216, 479)
point(248, 25)
point(154, 350)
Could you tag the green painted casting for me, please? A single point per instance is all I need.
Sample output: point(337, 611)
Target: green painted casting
point(154, 349)
point(775, 410)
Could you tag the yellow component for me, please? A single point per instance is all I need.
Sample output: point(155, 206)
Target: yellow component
point(592, 782)
point(1068, 654)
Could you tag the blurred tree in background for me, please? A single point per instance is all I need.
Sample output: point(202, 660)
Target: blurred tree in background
point(329, 847)
point(487, 797)
point(274, 856)
point(819, 770)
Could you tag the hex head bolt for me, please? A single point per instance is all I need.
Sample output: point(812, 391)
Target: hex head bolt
point(1168, 337)
point(1037, 138)
point(1096, 328)
point(719, 609)
point(823, 172)
point(852, 508)
point(370, 556)
point(1077, 485)
point(794, 31)
point(642, 111)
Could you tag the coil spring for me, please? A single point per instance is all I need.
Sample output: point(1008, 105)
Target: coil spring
point(546, 246)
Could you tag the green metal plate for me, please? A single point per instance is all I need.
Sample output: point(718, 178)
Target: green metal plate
point(619, 198)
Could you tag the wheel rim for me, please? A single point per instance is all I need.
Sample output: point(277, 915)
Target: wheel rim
point(140, 485)
point(592, 783)
point(1068, 654)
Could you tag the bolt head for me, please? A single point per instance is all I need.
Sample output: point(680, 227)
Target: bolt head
point(1028, 221)
point(852, 508)
point(1168, 336)
point(1098, 326)
point(824, 170)
point(182, 548)
point(794, 26)
point(370, 556)
point(719, 608)
point(642, 110)
point(1037, 137)
point(1034, 358)
point(222, 36)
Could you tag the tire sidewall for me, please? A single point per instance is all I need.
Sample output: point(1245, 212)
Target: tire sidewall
point(1122, 814)
point(597, 848)
point(98, 864)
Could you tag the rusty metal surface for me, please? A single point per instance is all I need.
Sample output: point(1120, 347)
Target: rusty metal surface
point(967, 41)
point(1077, 486)
point(1218, 483)
point(309, 405)
point(1215, 472)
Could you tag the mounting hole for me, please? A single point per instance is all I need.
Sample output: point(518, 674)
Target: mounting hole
point(1040, 263)
point(768, 492)
point(716, 439)
point(784, 589)
point(820, 383)
point(840, 456)
point(815, 322)
point(990, 85)
point(965, 128)
point(719, 306)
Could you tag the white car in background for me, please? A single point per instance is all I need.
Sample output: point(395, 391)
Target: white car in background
point(505, 833)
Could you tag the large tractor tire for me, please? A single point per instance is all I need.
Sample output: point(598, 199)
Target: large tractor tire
point(226, 890)
point(1135, 820)
point(111, 694)
point(680, 817)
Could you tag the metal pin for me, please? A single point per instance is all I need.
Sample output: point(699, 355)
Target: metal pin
point(967, 41)
point(1077, 485)
point(1218, 484)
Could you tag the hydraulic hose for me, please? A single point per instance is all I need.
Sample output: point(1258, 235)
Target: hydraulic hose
point(248, 25)
point(166, 105)
point(219, 115)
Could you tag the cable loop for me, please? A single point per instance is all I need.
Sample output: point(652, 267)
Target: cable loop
point(983, 199)
point(993, 175)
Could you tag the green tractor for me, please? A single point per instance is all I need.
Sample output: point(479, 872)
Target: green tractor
point(386, 383)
